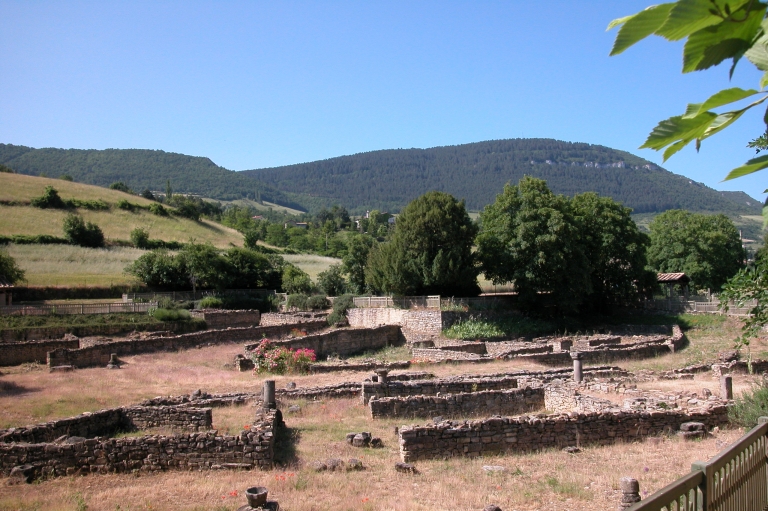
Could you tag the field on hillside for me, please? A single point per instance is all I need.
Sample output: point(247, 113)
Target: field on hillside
point(115, 223)
point(553, 479)
point(310, 263)
point(266, 206)
point(67, 265)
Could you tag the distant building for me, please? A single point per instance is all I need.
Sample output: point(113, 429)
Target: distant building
point(300, 225)
point(670, 280)
point(257, 217)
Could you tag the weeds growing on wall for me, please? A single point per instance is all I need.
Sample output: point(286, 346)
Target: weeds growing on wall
point(752, 405)
point(501, 327)
point(269, 358)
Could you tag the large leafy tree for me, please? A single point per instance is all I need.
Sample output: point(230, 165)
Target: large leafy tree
point(355, 260)
point(10, 272)
point(747, 285)
point(617, 252)
point(705, 247)
point(531, 237)
point(715, 31)
point(430, 251)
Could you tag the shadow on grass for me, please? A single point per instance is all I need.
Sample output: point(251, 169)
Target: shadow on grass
point(9, 388)
point(285, 447)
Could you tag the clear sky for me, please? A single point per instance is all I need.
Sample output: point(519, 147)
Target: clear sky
point(257, 84)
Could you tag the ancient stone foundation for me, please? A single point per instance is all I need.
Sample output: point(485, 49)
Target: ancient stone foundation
point(491, 402)
point(343, 342)
point(98, 355)
point(532, 433)
point(35, 450)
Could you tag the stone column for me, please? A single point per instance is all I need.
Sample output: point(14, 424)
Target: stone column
point(269, 394)
point(630, 493)
point(382, 375)
point(578, 375)
point(726, 387)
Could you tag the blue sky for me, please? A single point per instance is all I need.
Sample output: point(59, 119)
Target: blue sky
point(261, 84)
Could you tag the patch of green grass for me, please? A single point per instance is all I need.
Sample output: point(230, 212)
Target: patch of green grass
point(501, 327)
point(76, 320)
point(388, 354)
point(567, 489)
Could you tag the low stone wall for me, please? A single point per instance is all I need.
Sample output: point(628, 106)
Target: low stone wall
point(343, 342)
point(739, 367)
point(429, 322)
point(16, 353)
point(279, 318)
point(533, 433)
point(110, 421)
point(193, 451)
point(223, 318)
point(491, 402)
point(361, 366)
point(11, 335)
point(458, 385)
point(98, 355)
point(561, 399)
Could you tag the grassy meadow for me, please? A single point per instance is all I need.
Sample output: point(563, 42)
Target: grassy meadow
point(68, 265)
point(311, 263)
point(552, 479)
point(116, 224)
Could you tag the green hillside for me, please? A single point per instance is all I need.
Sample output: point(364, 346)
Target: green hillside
point(140, 169)
point(17, 218)
point(389, 179)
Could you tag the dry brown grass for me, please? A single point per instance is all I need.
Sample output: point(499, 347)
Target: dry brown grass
point(552, 480)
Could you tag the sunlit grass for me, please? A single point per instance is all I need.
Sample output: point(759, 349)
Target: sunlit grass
point(67, 265)
point(312, 264)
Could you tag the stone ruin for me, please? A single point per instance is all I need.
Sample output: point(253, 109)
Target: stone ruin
point(86, 443)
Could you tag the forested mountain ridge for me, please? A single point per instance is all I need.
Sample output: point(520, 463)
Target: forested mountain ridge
point(139, 169)
point(389, 179)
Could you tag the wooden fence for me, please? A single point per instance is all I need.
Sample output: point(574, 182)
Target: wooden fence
point(79, 308)
point(680, 305)
point(402, 302)
point(189, 295)
point(735, 480)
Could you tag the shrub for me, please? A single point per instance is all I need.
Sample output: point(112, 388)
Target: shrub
point(7, 170)
point(147, 194)
point(139, 236)
point(331, 282)
point(10, 272)
point(120, 186)
point(82, 233)
point(269, 358)
point(317, 302)
point(124, 204)
point(297, 301)
point(170, 314)
point(49, 199)
point(752, 405)
point(211, 302)
point(340, 306)
point(66, 177)
point(95, 205)
point(158, 209)
point(295, 280)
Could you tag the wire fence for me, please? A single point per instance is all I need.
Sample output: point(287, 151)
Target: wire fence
point(78, 308)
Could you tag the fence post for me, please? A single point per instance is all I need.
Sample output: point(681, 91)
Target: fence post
point(630, 492)
point(701, 466)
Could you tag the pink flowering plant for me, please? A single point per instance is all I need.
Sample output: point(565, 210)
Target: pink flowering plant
point(269, 358)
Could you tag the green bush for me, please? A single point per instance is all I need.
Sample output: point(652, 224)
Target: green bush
point(752, 405)
point(36, 239)
point(124, 204)
point(120, 186)
point(158, 209)
point(82, 233)
point(49, 199)
point(139, 237)
point(95, 205)
point(170, 314)
point(211, 302)
point(297, 301)
point(340, 306)
point(317, 302)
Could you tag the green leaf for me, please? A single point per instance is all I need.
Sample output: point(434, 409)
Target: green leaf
point(722, 121)
point(639, 26)
point(728, 39)
point(677, 128)
point(689, 16)
point(721, 98)
point(751, 166)
point(758, 53)
point(677, 146)
point(764, 80)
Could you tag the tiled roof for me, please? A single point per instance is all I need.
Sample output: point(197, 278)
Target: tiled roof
point(672, 277)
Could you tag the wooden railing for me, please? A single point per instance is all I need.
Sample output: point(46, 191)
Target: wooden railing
point(402, 302)
point(78, 308)
point(735, 480)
